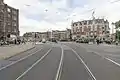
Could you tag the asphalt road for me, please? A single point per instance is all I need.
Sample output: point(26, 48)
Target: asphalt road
point(61, 61)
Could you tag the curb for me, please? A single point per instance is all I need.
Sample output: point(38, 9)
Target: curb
point(8, 57)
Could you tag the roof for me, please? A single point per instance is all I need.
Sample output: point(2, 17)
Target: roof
point(96, 20)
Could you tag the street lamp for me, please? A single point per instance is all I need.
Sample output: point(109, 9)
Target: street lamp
point(117, 33)
point(93, 25)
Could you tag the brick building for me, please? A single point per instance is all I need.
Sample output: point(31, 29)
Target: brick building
point(86, 28)
point(9, 20)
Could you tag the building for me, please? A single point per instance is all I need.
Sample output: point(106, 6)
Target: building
point(29, 36)
point(113, 36)
point(44, 35)
point(38, 36)
point(69, 34)
point(99, 28)
point(9, 20)
point(55, 34)
point(62, 35)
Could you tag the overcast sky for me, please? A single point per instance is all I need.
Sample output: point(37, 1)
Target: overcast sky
point(44, 15)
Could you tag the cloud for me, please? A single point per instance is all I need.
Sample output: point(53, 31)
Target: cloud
point(41, 15)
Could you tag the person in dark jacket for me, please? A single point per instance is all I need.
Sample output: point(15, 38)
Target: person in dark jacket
point(97, 41)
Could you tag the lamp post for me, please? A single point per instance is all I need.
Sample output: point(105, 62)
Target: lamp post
point(4, 26)
point(113, 24)
point(93, 26)
point(117, 33)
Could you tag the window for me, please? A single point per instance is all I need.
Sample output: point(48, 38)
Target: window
point(9, 29)
point(95, 28)
point(89, 28)
point(85, 22)
point(107, 32)
point(8, 9)
point(14, 24)
point(76, 24)
point(9, 15)
point(14, 18)
point(8, 23)
point(14, 12)
point(103, 28)
point(80, 23)
point(98, 27)
point(85, 28)
point(90, 22)
point(15, 30)
point(76, 28)
point(0, 23)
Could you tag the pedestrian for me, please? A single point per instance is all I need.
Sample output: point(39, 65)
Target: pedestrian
point(15, 41)
point(97, 41)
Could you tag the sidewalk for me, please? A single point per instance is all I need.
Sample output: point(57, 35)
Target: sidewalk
point(8, 51)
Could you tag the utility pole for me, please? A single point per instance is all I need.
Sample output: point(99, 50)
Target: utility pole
point(117, 32)
point(93, 26)
point(113, 29)
point(4, 21)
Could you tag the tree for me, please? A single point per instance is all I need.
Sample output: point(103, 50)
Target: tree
point(117, 24)
point(117, 35)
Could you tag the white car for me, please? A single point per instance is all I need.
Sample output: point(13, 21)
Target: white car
point(43, 41)
point(90, 43)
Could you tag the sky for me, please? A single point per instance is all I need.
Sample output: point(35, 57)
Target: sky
point(47, 15)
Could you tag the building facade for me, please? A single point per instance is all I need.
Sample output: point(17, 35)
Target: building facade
point(44, 35)
point(38, 36)
point(98, 28)
point(61, 35)
point(9, 21)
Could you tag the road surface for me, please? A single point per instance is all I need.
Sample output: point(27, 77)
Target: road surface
point(59, 61)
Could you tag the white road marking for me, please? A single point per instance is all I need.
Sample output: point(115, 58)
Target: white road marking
point(20, 59)
point(90, 73)
point(108, 59)
point(58, 75)
point(34, 64)
point(113, 61)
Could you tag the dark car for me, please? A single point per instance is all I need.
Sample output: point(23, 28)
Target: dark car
point(54, 40)
point(78, 41)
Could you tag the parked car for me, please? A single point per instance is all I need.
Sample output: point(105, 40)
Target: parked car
point(3, 43)
point(43, 41)
point(54, 40)
point(78, 41)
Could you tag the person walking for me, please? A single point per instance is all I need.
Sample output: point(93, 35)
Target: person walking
point(97, 41)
